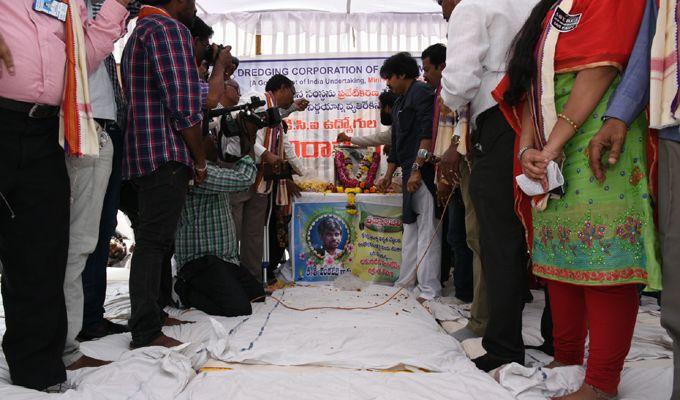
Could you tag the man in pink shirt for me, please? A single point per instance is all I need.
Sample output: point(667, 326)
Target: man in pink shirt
point(34, 185)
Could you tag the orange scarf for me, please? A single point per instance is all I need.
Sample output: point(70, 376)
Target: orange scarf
point(78, 133)
point(145, 11)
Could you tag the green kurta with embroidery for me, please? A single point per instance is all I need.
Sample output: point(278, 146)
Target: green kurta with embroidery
point(599, 234)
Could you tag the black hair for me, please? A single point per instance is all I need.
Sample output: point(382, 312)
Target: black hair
point(522, 65)
point(201, 30)
point(436, 53)
point(277, 82)
point(387, 98)
point(400, 64)
point(328, 224)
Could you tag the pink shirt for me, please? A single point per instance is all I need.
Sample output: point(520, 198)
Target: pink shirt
point(37, 44)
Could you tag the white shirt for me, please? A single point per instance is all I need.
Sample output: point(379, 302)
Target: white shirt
point(102, 97)
point(479, 39)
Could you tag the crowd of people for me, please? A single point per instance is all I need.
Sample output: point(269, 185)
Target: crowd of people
point(535, 150)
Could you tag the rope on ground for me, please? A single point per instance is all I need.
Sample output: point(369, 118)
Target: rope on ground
point(439, 224)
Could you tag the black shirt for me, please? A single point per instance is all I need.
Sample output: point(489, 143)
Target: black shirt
point(412, 122)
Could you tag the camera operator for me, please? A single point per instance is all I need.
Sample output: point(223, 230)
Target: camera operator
point(249, 209)
point(206, 247)
point(34, 183)
point(208, 55)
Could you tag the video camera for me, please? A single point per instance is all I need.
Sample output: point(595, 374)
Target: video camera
point(234, 130)
point(211, 57)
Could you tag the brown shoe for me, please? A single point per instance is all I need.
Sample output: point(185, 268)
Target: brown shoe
point(86, 362)
point(160, 340)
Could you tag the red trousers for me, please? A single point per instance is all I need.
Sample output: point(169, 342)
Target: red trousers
point(608, 314)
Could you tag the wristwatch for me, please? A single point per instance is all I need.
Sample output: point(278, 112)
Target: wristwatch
point(424, 154)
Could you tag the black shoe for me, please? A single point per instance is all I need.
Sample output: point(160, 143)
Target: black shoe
point(545, 348)
point(104, 328)
point(488, 362)
point(465, 299)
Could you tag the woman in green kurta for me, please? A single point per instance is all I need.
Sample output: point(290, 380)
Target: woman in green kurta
point(596, 243)
point(599, 234)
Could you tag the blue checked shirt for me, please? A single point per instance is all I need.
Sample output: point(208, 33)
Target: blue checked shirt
point(161, 84)
point(206, 227)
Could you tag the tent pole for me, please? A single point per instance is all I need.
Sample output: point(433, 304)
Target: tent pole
point(258, 45)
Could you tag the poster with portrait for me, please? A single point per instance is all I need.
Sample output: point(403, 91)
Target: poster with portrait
point(328, 241)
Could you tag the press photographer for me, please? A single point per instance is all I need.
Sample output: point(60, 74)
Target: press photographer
point(210, 55)
point(210, 277)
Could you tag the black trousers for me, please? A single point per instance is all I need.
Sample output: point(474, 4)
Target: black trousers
point(448, 257)
point(217, 287)
point(159, 199)
point(129, 205)
point(94, 274)
point(456, 237)
point(503, 247)
point(34, 233)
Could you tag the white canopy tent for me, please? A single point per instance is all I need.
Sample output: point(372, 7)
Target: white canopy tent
point(331, 6)
point(289, 27)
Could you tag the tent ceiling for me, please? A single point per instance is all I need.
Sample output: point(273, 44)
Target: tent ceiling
point(331, 6)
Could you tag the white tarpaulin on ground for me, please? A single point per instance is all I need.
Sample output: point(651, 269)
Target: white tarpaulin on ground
point(399, 334)
point(412, 337)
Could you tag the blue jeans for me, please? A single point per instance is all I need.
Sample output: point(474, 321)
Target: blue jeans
point(461, 253)
point(94, 275)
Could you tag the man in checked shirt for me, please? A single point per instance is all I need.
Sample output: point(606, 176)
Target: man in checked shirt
point(163, 149)
point(210, 277)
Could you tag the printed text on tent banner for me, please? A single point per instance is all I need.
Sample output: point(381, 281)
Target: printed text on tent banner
point(343, 94)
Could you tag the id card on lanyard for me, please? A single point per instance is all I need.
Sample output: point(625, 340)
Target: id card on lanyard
point(53, 8)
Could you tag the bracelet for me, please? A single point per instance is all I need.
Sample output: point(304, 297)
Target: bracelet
point(521, 152)
point(205, 168)
point(569, 121)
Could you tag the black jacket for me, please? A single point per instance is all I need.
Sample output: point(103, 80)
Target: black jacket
point(412, 122)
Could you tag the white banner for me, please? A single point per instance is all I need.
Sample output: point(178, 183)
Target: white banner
point(343, 94)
